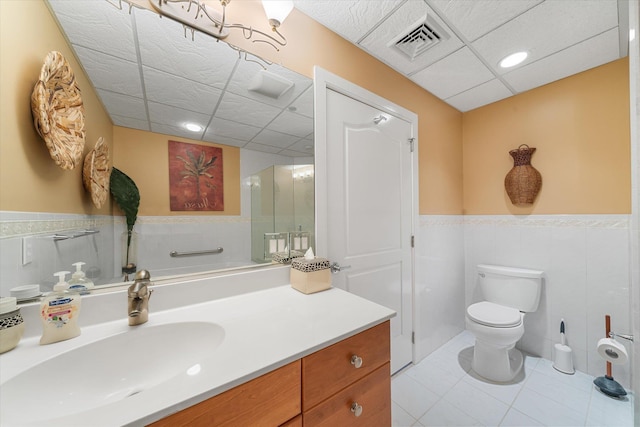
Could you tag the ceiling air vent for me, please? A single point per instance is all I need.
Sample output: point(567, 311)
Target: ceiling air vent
point(419, 38)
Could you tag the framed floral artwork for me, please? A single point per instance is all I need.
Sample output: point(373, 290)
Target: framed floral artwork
point(195, 177)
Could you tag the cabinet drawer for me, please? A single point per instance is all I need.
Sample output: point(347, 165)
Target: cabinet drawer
point(372, 393)
point(294, 422)
point(328, 371)
point(269, 400)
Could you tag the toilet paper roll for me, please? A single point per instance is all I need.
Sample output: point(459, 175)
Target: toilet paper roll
point(612, 351)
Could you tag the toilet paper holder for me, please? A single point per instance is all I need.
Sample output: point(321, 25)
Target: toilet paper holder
point(623, 336)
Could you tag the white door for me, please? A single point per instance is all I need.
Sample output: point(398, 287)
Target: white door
point(369, 210)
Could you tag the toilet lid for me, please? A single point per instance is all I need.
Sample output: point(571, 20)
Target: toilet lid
point(496, 315)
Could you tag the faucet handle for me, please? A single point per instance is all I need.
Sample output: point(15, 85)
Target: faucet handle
point(143, 275)
point(139, 288)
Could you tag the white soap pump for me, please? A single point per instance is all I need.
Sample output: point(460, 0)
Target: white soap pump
point(79, 280)
point(59, 311)
point(62, 285)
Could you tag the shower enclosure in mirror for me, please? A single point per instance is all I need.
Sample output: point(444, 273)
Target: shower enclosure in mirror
point(153, 81)
point(282, 213)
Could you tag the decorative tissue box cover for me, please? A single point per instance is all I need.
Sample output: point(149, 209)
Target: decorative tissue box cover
point(309, 276)
point(286, 257)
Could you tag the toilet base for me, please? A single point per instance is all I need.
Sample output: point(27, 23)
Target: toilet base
point(499, 364)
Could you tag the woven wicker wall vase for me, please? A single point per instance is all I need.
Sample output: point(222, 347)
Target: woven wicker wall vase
point(523, 182)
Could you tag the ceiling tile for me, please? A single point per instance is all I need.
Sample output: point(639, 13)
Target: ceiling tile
point(195, 59)
point(129, 122)
point(220, 128)
point(245, 73)
point(274, 139)
point(580, 57)
point(292, 153)
point(406, 18)
point(456, 73)
point(354, 19)
point(224, 140)
point(292, 124)
point(176, 117)
point(304, 104)
point(476, 18)
point(238, 108)
point(123, 105)
point(179, 92)
point(97, 26)
point(302, 146)
point(174, 131)
point(263, 148)
point(543, 30)
point(478, 96)
point(110, 72)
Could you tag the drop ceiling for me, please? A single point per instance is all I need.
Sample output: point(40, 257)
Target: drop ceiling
point(151, 75)
point(562, 37)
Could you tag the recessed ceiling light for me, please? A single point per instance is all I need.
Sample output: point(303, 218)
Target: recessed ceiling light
point(193, 127)
point(513, 59)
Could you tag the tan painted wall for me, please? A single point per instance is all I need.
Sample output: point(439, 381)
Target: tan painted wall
point(29, 179)
point(440, 126)
point(580, 128)
point(144, 157)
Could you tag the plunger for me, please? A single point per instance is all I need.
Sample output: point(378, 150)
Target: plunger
point(607, 384)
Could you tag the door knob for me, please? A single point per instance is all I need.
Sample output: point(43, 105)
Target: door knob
point(336, 268)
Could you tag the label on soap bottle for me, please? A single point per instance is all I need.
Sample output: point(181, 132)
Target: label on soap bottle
point(58, 312)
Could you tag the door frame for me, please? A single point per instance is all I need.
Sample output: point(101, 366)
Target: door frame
point(323, 81)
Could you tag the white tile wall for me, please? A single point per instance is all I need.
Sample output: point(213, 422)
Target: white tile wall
point(98, 251)
point(587, 262)
point(439, 282)
point(50, 256)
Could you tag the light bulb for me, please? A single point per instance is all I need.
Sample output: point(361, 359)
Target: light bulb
point(277, 10)
point(193, 127)
point(513, 59)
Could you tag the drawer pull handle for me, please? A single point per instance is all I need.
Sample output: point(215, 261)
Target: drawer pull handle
point(356, 409)
point(356, 361)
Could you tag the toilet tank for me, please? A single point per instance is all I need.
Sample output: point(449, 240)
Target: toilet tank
point(519, 288)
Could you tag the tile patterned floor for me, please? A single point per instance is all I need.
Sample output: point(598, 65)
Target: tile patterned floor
point(442, 390)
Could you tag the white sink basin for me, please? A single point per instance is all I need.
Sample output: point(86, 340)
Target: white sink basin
point(108, 370)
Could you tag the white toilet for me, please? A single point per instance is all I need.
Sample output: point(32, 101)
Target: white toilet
point(498, 321)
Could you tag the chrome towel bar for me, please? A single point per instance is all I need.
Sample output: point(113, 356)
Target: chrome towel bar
point(176, 254)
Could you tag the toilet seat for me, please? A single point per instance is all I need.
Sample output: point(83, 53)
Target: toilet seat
point(494, 315)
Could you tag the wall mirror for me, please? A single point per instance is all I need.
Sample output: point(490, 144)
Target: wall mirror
point(155, 76)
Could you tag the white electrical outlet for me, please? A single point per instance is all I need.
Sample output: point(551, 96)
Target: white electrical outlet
point(27, 250)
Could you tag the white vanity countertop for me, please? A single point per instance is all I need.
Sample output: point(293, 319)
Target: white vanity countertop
point(264, 330)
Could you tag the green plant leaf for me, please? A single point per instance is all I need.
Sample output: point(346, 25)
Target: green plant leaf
point(126, 194)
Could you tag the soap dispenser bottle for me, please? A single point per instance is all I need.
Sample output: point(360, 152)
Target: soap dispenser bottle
point(59, 312)
point(79, 281)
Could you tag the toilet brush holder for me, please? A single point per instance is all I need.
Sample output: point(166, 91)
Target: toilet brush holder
point(563, 359)
point(563, 355)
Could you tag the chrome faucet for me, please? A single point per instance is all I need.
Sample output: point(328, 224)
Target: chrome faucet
point(138, 298)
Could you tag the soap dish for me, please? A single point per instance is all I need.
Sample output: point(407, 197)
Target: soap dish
point(25, 292)
point(11, 324)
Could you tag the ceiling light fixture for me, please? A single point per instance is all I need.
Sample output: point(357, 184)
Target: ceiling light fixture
point(199, 16)
point(193, 127)
point(513, 59)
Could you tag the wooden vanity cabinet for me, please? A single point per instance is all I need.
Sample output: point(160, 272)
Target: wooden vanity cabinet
point(345, 384)
point(269, 400)
point(349, 383)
